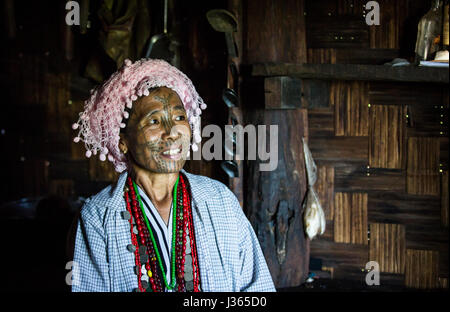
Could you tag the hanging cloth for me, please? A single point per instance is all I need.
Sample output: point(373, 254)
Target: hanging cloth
point(314, 217)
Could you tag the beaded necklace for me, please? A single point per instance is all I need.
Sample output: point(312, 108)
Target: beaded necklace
point(149, 268)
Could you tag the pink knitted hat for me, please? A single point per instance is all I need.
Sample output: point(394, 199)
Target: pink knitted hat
point(100, 122)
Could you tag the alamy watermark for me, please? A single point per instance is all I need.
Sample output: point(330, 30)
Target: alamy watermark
point(73, 277)
point(73, 16)
point(372, 12)
point(257, 142)
point(373, 275)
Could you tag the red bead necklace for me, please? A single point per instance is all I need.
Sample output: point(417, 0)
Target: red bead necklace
point(144, 249)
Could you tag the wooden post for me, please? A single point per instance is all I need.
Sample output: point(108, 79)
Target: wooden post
point(274, 198)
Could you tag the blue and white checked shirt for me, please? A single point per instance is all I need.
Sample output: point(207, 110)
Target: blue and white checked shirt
point(230, 257)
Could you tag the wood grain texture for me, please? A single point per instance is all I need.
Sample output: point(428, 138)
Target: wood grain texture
point(282, 92)
point(387, 136)
point(351, 56)
point(336, 254)
point(340, 149)
point(329, 25)
point(321, 56)
point(279, 27)
point(423, 102)
point(351, 108)
point(387, 246)
point(274, 207)
point(321, 122)
point(423, 166)
point(421, 269)
point(444, 199)
point(386, 35)
point(350, 218)
point(358, 177)
point(325, 190)
point(413, 211)
point(315, 93)
point(237, 184)
point(353, 72)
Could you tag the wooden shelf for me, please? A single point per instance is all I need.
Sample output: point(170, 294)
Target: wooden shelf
point(353, 72)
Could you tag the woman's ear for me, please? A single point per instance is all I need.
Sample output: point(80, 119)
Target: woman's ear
point(123, 143)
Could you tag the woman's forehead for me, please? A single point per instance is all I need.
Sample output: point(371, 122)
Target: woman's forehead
point(158, 99)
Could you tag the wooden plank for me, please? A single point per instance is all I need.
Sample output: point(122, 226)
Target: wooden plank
point(321, 122)
point(444, 199)
point(315, 93)
point(339, 254)
point(351, 56)
point(282, 93)
point(423, 166)
point(421, 269)
point(350, 218)
point(387, 136)
point(280, 23)
point(353, 72)
point(351, 108)
point(430, 237)
point(409, 210)
point(328, 29)
point(325, 190)
point(423, 102)
point(387, 246)
point(321, 56)
point(339, 149)
point(358, 177)
point(274, 208)
point(386, 35)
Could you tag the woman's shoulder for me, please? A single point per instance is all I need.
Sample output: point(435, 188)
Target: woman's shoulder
point(109, 198)
point(207, 186)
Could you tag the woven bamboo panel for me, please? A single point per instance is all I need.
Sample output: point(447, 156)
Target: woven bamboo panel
point(387, 246)
point(421, 268)
point(350, 218)
point(386, 136)
point(422, 174)
point(321, 56)
point(386, 34)
point(350, 100)
point(444, 199)
point(325, 189)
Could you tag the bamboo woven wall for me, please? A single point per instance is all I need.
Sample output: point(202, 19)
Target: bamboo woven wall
point(381, 150)
point(383, 181)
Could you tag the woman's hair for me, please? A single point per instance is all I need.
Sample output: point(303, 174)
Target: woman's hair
point(106, 111)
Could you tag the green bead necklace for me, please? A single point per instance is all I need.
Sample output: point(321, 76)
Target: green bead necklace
point(174, 213)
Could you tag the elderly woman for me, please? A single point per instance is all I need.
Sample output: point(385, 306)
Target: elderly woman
point(158, 228)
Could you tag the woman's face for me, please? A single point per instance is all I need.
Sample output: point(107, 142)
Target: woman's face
point(158, 134)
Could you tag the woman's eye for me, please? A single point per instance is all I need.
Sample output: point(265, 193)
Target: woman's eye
point(180, 118)
point(154, 121)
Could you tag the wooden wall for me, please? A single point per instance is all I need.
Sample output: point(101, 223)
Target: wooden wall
point(381, 146)
point(383, 181)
